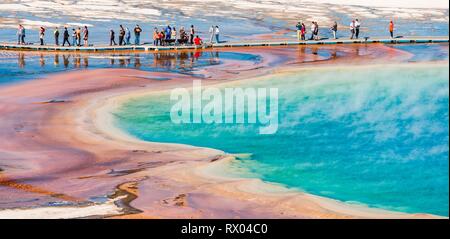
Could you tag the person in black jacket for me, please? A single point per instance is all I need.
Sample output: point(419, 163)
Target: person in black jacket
point(66, 36)
point(112, 38)
point(121, 36)
point(137, 35)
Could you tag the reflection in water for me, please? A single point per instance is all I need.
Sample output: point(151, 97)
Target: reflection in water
point(17, 66)
point(56, 61)
point(137, 61)
point(21, 60)
point(183, 60)
point(307, 54)
point(42, 60)
point(66, 61)
point(162, 60)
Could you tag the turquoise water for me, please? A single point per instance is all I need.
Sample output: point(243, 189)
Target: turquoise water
point(377, 136)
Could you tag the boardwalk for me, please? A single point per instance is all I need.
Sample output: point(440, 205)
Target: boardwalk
point(148, 47)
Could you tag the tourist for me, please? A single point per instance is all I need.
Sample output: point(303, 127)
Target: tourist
point(191, 36)
point(299, 30)
point(198, 41)
point(391, 29)
point(357, 26)
point(183, 36)
point(23, 35)
point(212, 29)
point(352, 29)
point(303, 38)
point(86, 36)
point(79, 36)
point(56, 34)
point(334, 30)
point(316, 32)
point(217, 32)
point(174, 35)
point(112, 37)
point(168, 33)
point(137, 35)
point(155, 36)
point(74, 37)
point(19, 35)
point(162, 37)
point(127, 36)
point(121, 35)
point(66, 37)
point(42, 35)
point(313, 30)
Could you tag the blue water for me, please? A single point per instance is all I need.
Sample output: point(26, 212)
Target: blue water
point(377, 136)
point(21, 66)
point(424, 52)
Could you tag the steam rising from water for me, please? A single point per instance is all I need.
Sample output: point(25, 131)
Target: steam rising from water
point(372, 135)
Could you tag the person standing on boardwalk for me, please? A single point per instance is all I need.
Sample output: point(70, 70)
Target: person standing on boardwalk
point(74, 37)
point(127, 36)
point(112, 38)
point(217, 33)
point(162, 37)
point(137, 35)
point(42, 35)
point(182, 39)
point(66, 37)
point(168, 33)
point(391, 28)
point(192, 33)
point(313, 30)
point(121, 35)
point(23, 35)
point(19, 35)
point(299, 30)
point(303, 37)
point(352, 29)
point(79, 36)
point(86, 36)
point(155, 36)
point(334, 30)
point(56, 33)
point(357, 26)
point(316, 32)
point(212, 33)
point(174, 35)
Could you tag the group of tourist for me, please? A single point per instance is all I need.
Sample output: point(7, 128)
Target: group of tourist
point(125, 36)
point(164, 36)
point(170, 35)
point(355, 26)
point(77, 35)
point(301, 31)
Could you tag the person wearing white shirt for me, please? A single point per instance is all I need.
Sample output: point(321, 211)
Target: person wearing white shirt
point(211, 33)
point(217, 32)
point(334, 30)
point(352, 29)
point(19, 35)
point(313, 30)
